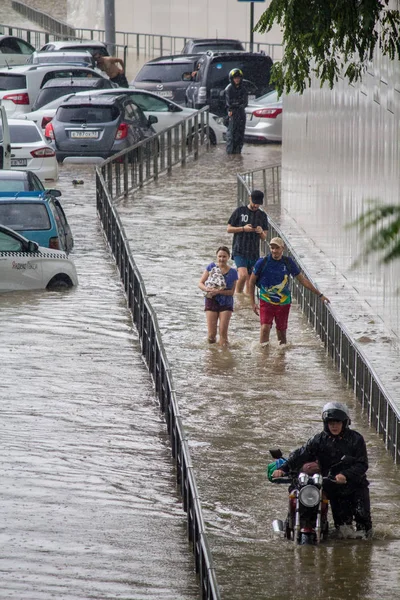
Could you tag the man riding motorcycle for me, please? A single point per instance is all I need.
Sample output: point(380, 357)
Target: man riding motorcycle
point(348, 491)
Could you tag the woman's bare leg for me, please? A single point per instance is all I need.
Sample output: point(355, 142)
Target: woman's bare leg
point(224, 319)
point(212, 322)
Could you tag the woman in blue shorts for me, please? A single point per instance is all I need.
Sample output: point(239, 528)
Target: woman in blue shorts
point(219, 303)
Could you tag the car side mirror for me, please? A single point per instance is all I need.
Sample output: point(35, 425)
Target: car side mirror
point(54, 193)
point(33, 247)
point(152, 119)
point(187, 76)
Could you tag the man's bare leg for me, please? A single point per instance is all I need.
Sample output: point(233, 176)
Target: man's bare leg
point(264, 334)
point(243, 278)
point(281, 334)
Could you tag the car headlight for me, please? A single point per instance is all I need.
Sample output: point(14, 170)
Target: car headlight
point(309, 496)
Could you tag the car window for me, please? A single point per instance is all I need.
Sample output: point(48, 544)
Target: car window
point(134, 113)
point(22, 134)
point(147, 102)
point(36, 184)
point(10, 185)
point(87, 114)
point(91, 49)
point(48, 95)
point(49, 58)
point(197, 48)
point(23, 216)
point(12, 82)
point(73, 73)
point(165, 73)
point(24, 47)
point(9, 46)
point(255, 69)
point(8, 243)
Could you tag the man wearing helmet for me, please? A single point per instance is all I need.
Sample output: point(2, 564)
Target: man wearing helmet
point(236, 100)
point(348, 491)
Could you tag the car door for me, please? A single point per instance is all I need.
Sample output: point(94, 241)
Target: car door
point(19, 269)
point(166, 113)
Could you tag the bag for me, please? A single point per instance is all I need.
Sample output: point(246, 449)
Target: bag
point(263, 265)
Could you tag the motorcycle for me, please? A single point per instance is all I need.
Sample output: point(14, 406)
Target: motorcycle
point(307, 518)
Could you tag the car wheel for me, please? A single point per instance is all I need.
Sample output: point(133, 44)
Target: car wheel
point(59, 282)
point(213, 137)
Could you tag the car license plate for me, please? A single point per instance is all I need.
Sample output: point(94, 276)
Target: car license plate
point(84, 135)
point(164, 94)
point(19, 162)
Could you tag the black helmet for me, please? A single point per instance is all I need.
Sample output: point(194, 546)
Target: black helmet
point(235, 73)
point(335, 411)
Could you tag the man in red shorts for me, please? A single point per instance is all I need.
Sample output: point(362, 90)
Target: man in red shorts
point(272, 277)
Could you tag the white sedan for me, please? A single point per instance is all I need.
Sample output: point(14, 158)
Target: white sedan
point(264, 119)
point(30, 150)
point(24, 265)
point(167, 112)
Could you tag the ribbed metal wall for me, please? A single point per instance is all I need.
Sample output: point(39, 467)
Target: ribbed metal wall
point(341, 148)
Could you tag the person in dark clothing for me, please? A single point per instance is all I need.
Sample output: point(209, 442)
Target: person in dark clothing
point(249, 225)
point(348, 492)
point(236, 100)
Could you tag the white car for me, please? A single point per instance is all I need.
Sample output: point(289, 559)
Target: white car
point(264, 119)
point(24, 265)
point(168, 113)
point(29, 150)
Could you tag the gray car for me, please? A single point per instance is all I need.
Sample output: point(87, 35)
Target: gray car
point(95, 128)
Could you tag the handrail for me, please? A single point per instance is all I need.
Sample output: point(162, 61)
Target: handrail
point(348, 358)
point(122, 174)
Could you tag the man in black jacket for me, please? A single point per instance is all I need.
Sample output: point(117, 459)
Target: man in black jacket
point(348, 493)
point(236, 99)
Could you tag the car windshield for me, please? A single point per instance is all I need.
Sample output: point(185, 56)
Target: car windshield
point(87, 114)
point(223, 47)
point(163, 73)
point(48, 57)
point(23, 134)
point(269, 98)
point(12, 185)
point(48, 95)
point(24, 216)
point(255, 69)
point(12, 82)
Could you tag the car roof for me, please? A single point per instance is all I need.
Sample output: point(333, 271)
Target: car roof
point(82, 43)
point(214, 40)
point(59, 82)
point(174, 58)
point(24, 196)
point(21, 69)
point(10, 174)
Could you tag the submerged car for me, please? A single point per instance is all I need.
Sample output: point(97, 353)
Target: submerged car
point(38, 216)
point(96, 127)
point(264, 119)
point(24, 265)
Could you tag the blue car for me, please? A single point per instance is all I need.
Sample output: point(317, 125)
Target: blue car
point(38, 216)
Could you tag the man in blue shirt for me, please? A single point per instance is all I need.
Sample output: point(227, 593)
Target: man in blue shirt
point(272, 277)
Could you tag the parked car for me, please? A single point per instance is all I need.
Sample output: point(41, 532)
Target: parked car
point(95, 128)
point(163, 76)
point(55, 88)
point(24, 265)
point(212, 77)
point(264, 119)
point(82, 58)
point(14, 50)
point(30, 150)
point(91, 46)
point(23, 181)
point(19, 86)
point(198, 46)
point(39, 217)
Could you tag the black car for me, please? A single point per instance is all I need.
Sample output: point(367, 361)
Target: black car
point(207, 85)
point(55, 88)
point(163, 76)
point(97, 127)
point(22, 181)
point(198, 46)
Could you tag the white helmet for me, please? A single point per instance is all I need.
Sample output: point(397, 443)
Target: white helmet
point(335, 411)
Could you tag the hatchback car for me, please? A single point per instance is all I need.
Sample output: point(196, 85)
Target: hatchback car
point(163, 76)
point(55, 88)
point(24, 265)
point(91, 46)
point(212, 77)
point(96, 127)
point(264, 119)
point(30, 150)
point(23, 181)
point(198, 46)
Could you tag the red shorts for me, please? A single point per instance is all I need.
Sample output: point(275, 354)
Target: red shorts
point(279, 312)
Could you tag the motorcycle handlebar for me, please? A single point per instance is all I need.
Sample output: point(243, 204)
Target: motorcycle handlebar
point(282, 480)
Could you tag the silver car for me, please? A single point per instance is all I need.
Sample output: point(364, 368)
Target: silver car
point(264, 119)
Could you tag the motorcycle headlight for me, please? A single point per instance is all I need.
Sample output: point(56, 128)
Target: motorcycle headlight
point(309, 496)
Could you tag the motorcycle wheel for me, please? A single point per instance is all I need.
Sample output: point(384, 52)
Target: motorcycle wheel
point(307, 539)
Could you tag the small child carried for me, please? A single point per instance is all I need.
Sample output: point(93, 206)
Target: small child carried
point(215, 281)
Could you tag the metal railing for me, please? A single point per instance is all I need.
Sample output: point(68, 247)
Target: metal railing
point(360, 376)
point(123, 173)
point(43, 20)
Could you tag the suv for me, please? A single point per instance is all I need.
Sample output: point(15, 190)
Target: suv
point(92, 46)
point(19, 86)
point(97, 127)
point(38, 216)
point(199, 46)
point(55, 88)
point(212, 77)
point(164, 76)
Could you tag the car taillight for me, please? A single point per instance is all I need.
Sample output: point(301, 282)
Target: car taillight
point(54, 243)
point(45, 121)
point(267, 113)
point(43, 152)
point(122, 132)
point(17, 98)
point(49, 131)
